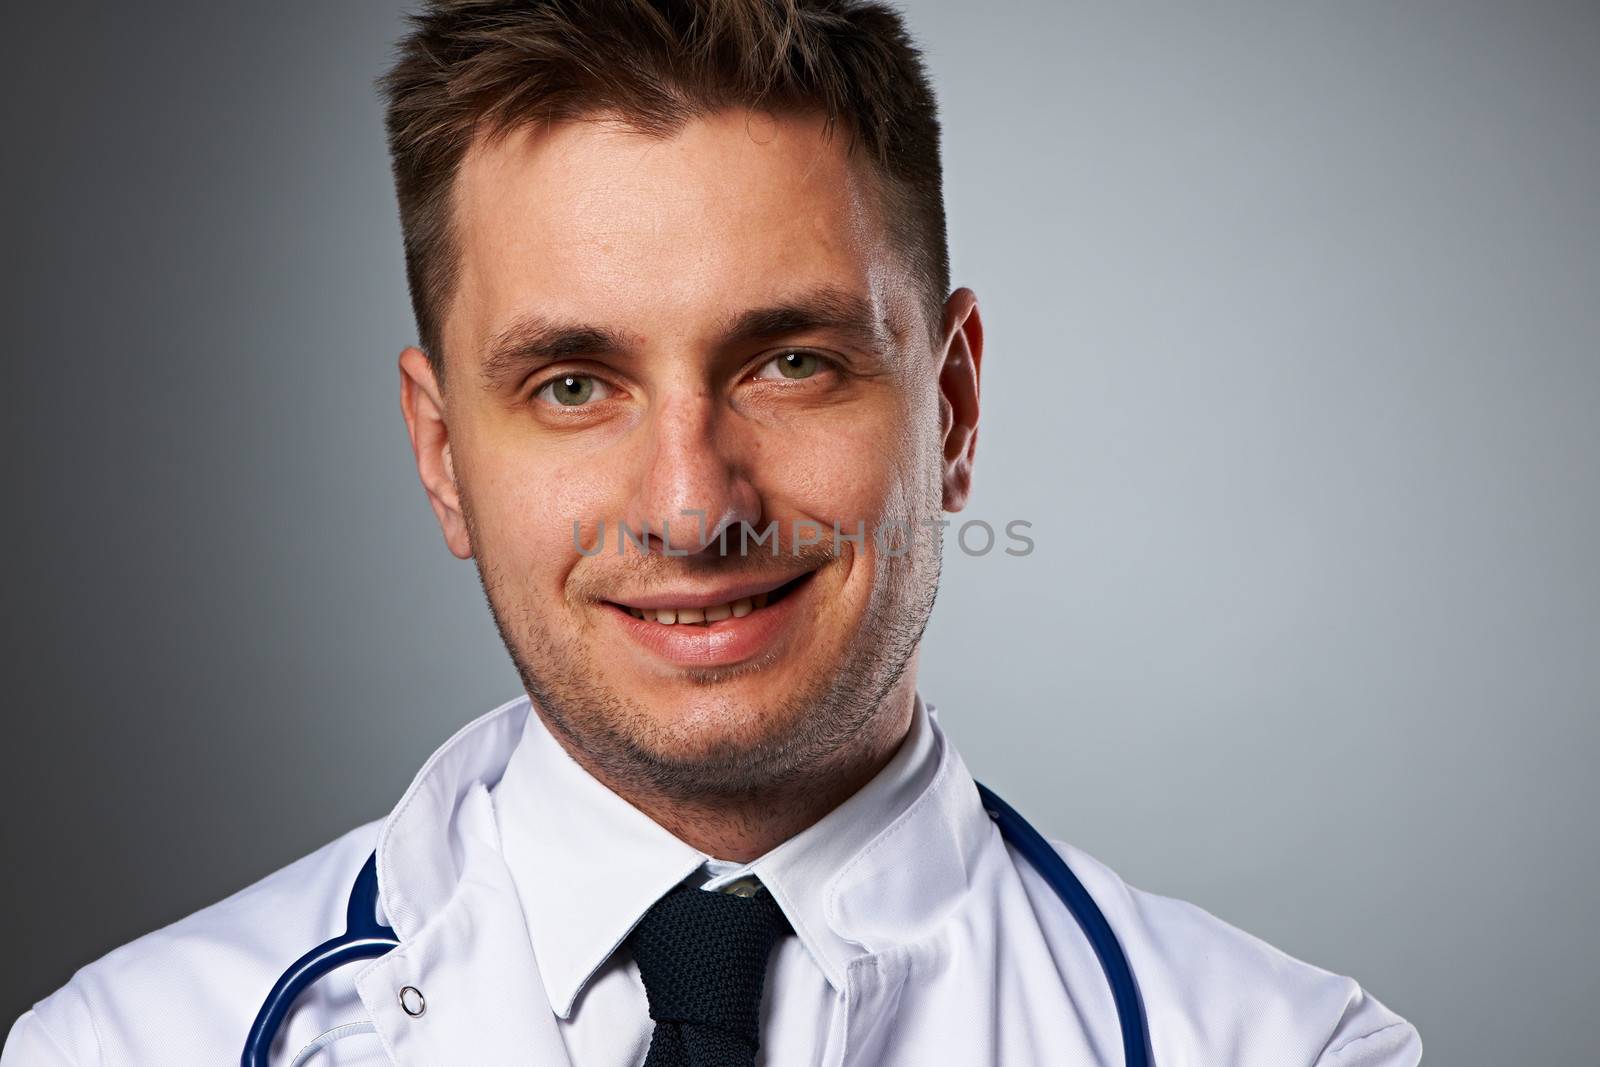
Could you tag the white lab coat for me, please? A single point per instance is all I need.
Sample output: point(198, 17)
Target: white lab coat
point(985, 966)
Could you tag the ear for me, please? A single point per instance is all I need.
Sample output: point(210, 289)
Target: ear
point(960, 360)
point(423, 407)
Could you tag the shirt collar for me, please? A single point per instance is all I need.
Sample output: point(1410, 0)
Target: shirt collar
point(586, 863)
point(870, 873)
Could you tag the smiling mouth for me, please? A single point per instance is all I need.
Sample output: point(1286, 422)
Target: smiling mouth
point(706, 616)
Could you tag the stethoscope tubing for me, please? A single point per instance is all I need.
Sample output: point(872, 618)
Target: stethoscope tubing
point(364, 938)
point(1044, 858)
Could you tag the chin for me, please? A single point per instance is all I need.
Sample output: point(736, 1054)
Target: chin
point(701, 725)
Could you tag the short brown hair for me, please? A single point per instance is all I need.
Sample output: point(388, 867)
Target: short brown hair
point(489, 66)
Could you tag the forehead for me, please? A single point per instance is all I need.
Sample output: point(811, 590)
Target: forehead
point(595, 221)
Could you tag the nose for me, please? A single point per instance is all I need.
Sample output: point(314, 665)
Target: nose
point(692, 482)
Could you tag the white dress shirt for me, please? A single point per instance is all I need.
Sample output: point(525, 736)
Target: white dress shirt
point(921, 938)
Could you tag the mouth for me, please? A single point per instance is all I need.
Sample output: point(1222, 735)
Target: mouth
point(722, 627)
point(689, 610)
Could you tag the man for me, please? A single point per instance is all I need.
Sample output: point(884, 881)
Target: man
point(693, 392)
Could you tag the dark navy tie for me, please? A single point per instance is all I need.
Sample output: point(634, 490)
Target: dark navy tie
point(703, 957)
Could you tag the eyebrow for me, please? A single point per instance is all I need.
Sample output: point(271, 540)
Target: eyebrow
point(824, 309)
point(534, 340)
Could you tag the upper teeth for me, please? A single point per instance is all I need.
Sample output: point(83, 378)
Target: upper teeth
point(737, 609)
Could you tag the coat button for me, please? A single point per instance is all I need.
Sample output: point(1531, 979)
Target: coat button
point(411, 1001)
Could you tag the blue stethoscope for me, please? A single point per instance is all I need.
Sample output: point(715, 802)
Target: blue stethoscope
point(364, 938)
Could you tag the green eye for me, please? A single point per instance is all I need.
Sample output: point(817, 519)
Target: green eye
point(796, 364)
point(571, 390)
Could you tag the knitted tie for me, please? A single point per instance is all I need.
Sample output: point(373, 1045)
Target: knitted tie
point(703, 958)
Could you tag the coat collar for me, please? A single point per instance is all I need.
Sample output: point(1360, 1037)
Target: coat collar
point(419, 856)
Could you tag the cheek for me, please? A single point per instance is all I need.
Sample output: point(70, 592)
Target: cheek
point(526, 506)
point(866, 465)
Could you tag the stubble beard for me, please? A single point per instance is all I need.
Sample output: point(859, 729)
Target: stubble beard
point(823, 720)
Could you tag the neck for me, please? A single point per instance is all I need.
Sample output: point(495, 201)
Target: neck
point(744, 827)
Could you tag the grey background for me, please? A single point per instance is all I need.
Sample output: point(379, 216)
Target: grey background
point(1292, 362)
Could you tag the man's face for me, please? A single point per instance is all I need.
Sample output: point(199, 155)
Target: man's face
point(652, 340)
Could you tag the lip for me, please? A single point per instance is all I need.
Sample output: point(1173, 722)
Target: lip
point(705, 598)
point(722, 643)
